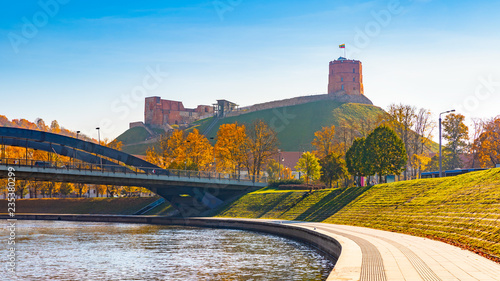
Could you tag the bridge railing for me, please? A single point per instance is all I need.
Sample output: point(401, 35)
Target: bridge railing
point(82, 166)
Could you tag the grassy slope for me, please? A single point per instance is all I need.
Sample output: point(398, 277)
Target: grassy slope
point(133, 135)
point(295, 124)
point(297, 130)
point(124, 206)
point(462, 210)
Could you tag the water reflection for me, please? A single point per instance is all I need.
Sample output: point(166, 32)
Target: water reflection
point(58, 250)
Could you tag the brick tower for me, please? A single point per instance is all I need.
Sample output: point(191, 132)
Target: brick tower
point(345, 75)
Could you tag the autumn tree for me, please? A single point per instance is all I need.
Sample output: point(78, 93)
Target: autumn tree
point(333, 168)
point(198, 151)
point(478, 126)
point(111, 190)
point(273, 169)
point(456, 133)
point(420, 163)
point(276, 171)
point(54, 127)
point(309, 165)
point(173, 150)
point(262, 144)
point(41, 125)
point(66, 189)
point(231, 147)
point(325, 142)
point(385, 152)
point(487, 144)
point(80, 189)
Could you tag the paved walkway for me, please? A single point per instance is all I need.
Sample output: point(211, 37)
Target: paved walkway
point(369, 254)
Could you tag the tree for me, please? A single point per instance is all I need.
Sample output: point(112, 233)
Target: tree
point(402, 119)
point(81, 189)
point(54, 127)
point(199, 152)
point(262, 145)
point(273, 169)
point(325, 142)
point(333, 168)
point(65, 189)
point(478, 126)
point(355, 160)
point(456, 133)
point(41, 125)
point(111, 190)
point(488, 144)
point(385, 152)
point(420, 162)
point(231, 147)
point(309, 165)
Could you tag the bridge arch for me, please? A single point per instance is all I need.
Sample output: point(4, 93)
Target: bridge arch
point(67, 146)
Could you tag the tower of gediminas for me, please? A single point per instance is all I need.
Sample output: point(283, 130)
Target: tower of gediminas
point(345, 75)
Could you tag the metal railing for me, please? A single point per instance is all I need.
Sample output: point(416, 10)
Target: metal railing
point(82, 166)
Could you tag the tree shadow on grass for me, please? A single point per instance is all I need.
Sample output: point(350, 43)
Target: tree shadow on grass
point(331, 204)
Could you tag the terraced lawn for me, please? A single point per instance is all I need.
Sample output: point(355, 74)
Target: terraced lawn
point(462, 210)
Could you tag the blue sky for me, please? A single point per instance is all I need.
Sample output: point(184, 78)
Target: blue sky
point(89, 63)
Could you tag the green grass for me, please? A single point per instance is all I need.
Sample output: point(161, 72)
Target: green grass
point(295, 125)
point(462, 210)
point(297, 130)
point(123, 206)
point(138, 149)
point(133, 135)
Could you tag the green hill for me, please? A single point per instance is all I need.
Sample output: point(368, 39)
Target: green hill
point(462, 210)
point(133, 135)
point(297, 124)
point(135, 140)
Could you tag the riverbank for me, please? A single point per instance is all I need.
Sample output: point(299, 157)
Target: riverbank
point(325, 243)
point(100, 205)
point(363, 253)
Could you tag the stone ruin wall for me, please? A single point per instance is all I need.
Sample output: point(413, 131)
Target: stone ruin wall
point(340, 96)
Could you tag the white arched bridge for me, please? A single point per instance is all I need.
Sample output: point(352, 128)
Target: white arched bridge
point(190, 192)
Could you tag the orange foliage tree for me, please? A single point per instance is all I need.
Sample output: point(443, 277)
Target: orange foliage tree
point(325, 142)
point(262, 144)
point(231, 147)
point(487, 145)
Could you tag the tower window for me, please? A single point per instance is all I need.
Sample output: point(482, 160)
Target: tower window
point(354, 88)
point(342, 86)
point(354, 70)
point(341, 79)
point(354, 79)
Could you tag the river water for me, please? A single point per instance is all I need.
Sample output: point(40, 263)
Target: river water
point(60, 250)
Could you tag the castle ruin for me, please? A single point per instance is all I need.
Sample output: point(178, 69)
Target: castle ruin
point(345, 84)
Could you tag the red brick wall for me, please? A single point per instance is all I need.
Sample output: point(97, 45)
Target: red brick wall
point(347, 74)
point(152, 111)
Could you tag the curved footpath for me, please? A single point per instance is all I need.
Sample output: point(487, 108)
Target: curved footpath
point(361, 253)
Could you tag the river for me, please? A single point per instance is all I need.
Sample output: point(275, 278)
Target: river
point(62, 250)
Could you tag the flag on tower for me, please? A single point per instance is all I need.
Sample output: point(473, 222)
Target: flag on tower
point(342, 46)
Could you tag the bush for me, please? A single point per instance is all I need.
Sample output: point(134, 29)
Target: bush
point(277, 183)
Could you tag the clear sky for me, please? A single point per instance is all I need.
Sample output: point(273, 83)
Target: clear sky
point(91, 63)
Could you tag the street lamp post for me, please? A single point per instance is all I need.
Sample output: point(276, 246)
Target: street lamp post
point(279, 164)
point(215, 161)
point(74, 149)
point(440, 154)
point(99, 141)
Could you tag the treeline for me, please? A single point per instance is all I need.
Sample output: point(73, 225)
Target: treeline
point(53, 189)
